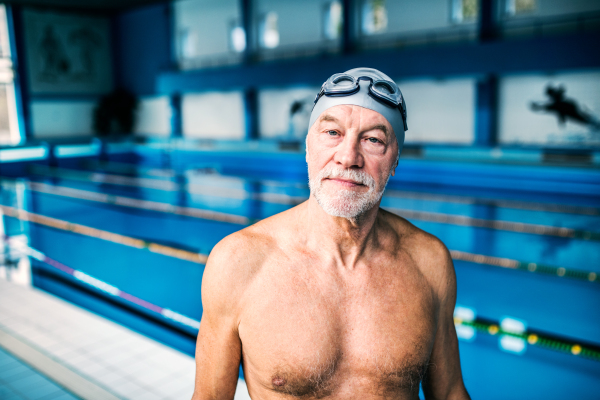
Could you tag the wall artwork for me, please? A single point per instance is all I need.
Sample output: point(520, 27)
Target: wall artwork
point(67, 53)
point(559, 109)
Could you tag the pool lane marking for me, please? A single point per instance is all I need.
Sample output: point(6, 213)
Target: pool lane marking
point(127, 168)
point(510, 226)
point(427, 216)
point(536, 338)
point(136, 203)
point(409, 214)
point(104, 235)
point(519, 205)
point(165, 185)
point(456, 255)
point(524, 266)
point(111, 289)
point(491, 327)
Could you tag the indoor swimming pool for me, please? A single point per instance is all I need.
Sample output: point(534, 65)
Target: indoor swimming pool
point(129, 241)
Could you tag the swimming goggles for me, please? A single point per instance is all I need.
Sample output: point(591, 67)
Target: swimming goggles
point(384, 91)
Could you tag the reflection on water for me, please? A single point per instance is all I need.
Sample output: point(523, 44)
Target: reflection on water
point(19, 273)
point(14, 235)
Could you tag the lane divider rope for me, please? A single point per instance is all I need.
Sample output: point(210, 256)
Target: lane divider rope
point(496, 224)
point(104, 235)
point(205, 214)
point(534, 338)
point(126, 168)
point(164, 185)
point(524, 266)
point(427, 216)
point(515, 204)
point(519, 205)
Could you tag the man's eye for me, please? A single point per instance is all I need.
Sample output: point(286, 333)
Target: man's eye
point(332, 133)
point(374, 140)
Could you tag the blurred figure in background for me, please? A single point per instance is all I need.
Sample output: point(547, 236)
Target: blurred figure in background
point(566, 109)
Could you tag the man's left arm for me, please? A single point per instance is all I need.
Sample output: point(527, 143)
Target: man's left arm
point(443, 379)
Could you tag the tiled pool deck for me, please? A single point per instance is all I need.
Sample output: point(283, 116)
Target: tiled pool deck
point(51, 349)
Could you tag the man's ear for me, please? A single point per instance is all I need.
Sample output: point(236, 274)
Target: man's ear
point(306, 148)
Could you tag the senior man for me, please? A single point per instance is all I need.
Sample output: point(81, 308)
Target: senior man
point(335, 298)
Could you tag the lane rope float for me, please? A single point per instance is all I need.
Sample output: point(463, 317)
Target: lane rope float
point(502, 262)
point(427, 216)
point(104, 235)
point(536, 338)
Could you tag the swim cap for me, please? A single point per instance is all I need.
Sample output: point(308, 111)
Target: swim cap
point(368, 88)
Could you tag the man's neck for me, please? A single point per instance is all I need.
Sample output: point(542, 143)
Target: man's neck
point(339, 239)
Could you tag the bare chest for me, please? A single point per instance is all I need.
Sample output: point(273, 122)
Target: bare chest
point(318, 335)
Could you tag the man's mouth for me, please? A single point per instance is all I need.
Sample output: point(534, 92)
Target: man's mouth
point(345, 182)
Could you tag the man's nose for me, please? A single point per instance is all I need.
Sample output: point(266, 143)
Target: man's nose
point(348, 154)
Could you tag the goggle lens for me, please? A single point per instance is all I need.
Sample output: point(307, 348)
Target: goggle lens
point(383, 88)
point(344, 81)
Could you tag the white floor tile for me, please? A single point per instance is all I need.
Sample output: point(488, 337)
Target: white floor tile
point(111, 379)
point(127, 388)
point(241, 392)
point(109, 354)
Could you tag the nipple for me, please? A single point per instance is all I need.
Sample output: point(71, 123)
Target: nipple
point(277, 381)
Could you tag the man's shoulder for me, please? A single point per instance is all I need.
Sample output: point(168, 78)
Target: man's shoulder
point(240, 256)
point(415, 238)
point(427, 251)
point(240, 251)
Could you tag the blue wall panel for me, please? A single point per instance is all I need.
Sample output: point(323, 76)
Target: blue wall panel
point(142, 47)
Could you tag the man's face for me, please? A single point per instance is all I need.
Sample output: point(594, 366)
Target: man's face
point(350, 152)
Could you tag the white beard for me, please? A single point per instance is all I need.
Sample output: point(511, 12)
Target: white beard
point(344, 203)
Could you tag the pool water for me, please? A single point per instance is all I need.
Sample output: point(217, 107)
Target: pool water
point(554, 303)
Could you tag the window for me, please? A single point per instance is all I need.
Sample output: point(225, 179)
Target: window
point(9, 126)
point(518, 7)
point(237, 37)
point(465, 10)
point(269, 31)
point(374, 17)
point(189, 43)
point(332, 20)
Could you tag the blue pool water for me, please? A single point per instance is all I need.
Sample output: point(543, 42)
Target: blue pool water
point(560, 306)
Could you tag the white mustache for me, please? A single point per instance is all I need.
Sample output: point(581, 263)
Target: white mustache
point(360, 177)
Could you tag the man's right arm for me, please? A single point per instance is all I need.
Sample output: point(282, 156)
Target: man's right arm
point(218, 348)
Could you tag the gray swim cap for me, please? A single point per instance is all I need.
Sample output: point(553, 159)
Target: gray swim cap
point(368, 94)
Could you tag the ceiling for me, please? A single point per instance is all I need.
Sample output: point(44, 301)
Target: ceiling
point(85, 5)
